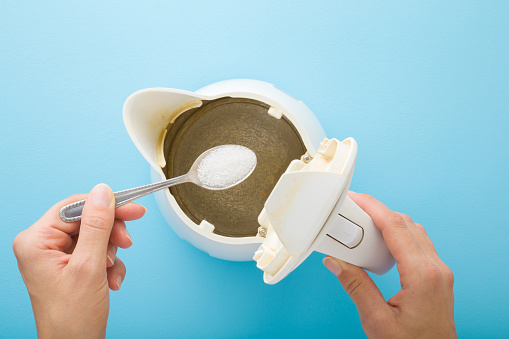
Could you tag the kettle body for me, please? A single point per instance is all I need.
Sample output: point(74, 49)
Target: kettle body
point(249, 112)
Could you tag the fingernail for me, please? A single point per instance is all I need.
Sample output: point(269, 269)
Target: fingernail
point(128, 236)
point(119, 281)
point(352, 192)
point(101, 195)
point(332, 265)
point(112, 261)
point(144, 209)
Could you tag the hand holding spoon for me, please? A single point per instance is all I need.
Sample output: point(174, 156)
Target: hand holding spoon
point(218, 168)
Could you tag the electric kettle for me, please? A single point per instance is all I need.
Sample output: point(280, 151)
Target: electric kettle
point(295, 202)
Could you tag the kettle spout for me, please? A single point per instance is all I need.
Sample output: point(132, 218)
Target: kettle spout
point(147, 114)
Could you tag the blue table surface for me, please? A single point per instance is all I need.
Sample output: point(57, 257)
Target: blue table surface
point(422, 86)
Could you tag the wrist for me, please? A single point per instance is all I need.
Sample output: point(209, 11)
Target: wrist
point(56, 321)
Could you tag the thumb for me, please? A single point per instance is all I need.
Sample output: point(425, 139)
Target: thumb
point(96, 224)
point(361, 288)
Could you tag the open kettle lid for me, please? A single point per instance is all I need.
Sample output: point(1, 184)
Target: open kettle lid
point(309, 210)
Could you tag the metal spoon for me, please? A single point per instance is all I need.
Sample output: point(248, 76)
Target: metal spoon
point(72, 212)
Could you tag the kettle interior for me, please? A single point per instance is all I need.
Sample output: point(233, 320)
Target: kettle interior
point(226, 120)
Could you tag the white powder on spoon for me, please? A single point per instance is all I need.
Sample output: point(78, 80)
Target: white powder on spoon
point(226, 165)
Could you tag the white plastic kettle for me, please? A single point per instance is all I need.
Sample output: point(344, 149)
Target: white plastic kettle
point(308, 209)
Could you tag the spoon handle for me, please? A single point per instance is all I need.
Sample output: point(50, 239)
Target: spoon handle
point(72, 212)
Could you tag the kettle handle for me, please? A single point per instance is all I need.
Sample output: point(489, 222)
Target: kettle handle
point(349, 234)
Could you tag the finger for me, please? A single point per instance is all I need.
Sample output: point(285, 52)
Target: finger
point(130, 211)
point(398, 237)
point(123, 214)
point(425, 235)
point(419, 234)
point(119, 235)
point(96, 224)
point(422, 238)
point(72, 245)
point(364, 293)
point(52, 216)
point(116, 275)
point(111, 254)
point(430, 248)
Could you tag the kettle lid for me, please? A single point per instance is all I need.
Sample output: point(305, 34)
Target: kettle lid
point(299, 206)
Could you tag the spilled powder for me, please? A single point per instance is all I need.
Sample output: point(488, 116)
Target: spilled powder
point(226, 165)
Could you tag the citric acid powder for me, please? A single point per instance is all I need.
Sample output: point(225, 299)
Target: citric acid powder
point(226, 165)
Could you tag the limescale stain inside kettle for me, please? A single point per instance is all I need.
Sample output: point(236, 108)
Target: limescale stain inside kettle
point(233, 212)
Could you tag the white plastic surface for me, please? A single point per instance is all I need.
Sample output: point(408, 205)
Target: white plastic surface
point(344, 231)
point(148, 112)
point(295, 217)
point(371, 253)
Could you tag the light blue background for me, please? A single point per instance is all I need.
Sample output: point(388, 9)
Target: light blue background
point(422, 86)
